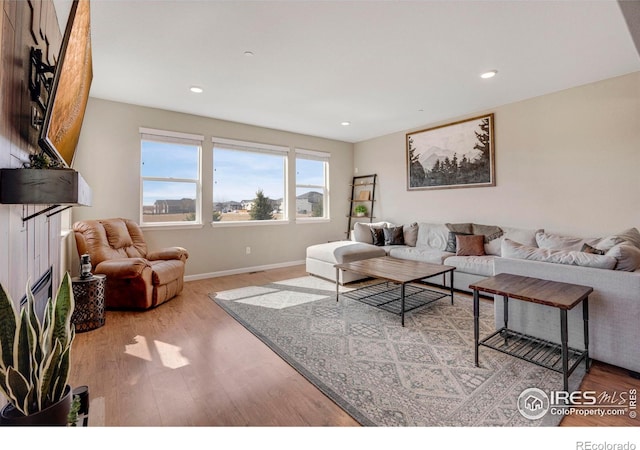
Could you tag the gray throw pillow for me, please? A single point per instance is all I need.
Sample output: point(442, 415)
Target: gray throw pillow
point(410, 234)
point(490, 232)
point(393, 235)
point(466, 228)
point(377, 236)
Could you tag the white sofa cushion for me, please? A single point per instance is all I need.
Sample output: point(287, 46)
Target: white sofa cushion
point(522, 235)
point(515, 250)
point(560, 242)
point(432, 236)
point(626, 255)
point(339, 252)
point(479, 265)
point(423, 254)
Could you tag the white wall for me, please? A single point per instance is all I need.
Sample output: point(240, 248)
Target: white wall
point(108, 157)
point(568, 162)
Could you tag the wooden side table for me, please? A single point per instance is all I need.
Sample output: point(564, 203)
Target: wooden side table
point(563, 296)
point(88, 294)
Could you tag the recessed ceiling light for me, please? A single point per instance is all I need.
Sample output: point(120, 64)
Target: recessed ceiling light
point(249, 53)
point(196, 89)
point(489, 74)
point(345, 123)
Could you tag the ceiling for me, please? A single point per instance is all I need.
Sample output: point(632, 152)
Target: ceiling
point(383, 66)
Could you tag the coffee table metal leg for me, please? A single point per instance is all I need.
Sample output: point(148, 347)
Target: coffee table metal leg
point(564, 337)
point(337, 284)
point(451, 281)
point(476, 323)
point(505, 302)
point(402, 302)
point(585, 320)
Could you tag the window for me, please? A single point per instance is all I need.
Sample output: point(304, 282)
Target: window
point(170, 177)
point(312, 185)
point(249, 181)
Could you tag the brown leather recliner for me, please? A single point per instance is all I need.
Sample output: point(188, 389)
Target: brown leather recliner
point(136, 279)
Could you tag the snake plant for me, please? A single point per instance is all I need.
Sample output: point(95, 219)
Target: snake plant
point(34, 353)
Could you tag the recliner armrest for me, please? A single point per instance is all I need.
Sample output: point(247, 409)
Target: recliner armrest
point(169, 253)
point(123, 267)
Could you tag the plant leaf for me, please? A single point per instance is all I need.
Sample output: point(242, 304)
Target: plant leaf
point(63, 309)
point(19, 390)
point(8, 320)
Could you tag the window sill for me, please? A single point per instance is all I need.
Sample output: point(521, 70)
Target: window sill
point(311, 221)
point(249, 223)
point(171, 226)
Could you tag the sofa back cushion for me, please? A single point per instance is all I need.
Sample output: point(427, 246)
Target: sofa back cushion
point(626, 255)
point(515, 250)
point(521, 235)
point(432, 236)
point(562, 242)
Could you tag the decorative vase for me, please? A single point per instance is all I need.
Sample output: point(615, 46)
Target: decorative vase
point(55, 415)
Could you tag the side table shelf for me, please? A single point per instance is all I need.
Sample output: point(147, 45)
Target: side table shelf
point(88, 294)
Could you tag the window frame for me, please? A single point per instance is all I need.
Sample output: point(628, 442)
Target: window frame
point(258, 148)
point(325, 157)
point(172, 137)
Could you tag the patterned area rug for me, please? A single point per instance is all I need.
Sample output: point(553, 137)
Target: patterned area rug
point(386, 375)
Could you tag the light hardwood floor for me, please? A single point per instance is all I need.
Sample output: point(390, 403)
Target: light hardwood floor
point(188, 363)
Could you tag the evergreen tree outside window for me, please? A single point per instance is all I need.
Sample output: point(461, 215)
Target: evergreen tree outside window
point(170, 177)
point(312, 185)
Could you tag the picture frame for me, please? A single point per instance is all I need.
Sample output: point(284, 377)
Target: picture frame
point(456, 155)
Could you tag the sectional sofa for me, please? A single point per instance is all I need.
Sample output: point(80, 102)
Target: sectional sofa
point(610, 264)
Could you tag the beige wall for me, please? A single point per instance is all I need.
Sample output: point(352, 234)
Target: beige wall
point(568, 162)
point(108, 157)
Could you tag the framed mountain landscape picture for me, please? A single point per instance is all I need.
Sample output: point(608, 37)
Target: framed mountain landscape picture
point(456, 155)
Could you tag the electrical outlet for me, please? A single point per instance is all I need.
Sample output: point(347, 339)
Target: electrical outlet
point(248, 250)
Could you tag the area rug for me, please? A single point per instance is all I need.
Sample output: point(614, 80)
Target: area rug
point(383, 374)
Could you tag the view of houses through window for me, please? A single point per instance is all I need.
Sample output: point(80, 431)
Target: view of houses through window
point(170, 176)
point(311, 184)
point(249, 180)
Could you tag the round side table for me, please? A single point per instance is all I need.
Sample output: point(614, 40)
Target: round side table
point(88, 294)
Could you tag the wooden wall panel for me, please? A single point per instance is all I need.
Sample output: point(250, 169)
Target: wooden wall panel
point(27, 249)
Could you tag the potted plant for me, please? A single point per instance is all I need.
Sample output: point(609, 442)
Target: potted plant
point(34, 359)
point(360, 210)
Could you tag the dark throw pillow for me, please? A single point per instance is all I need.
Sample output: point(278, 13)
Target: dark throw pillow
point(451, 242)
point(470, 245)
point(586, 248)
point(393, 235)
point(378, 236)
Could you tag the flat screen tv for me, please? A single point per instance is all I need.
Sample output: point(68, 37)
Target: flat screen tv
point(69, 91)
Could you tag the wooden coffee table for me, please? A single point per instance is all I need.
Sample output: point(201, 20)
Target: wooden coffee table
point(563, 296)
point(402, 289)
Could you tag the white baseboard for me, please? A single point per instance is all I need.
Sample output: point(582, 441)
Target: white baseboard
point(222, 273)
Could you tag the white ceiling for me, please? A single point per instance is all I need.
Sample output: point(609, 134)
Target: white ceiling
point(385, 66)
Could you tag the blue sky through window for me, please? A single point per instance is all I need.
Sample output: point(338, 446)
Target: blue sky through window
point(238, 175)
